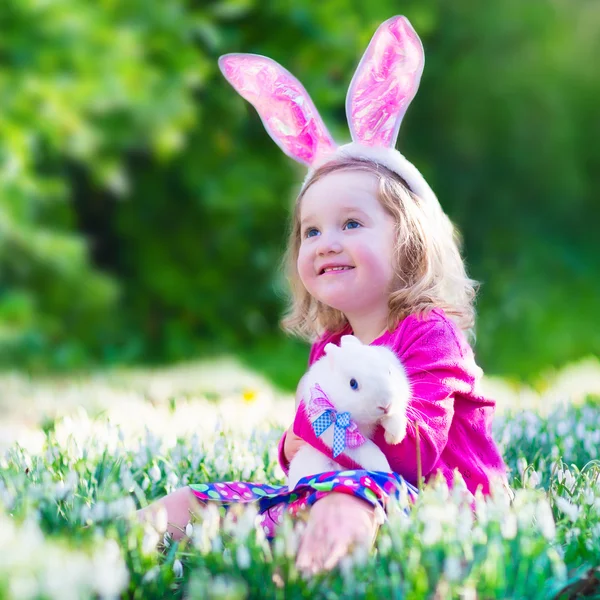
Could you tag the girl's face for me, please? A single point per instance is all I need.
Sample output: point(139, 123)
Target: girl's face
point(347, 239)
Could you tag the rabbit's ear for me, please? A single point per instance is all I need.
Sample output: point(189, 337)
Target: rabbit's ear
point(331, 349)
point(331, 352)
point(286, 110)
point(349, 340)
point(384, 84)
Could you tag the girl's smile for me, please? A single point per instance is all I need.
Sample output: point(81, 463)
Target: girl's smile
point(334, 269)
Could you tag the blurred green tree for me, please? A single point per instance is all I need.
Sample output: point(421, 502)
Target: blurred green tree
point(82, 85)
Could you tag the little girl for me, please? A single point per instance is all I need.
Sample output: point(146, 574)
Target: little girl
point(371, 253)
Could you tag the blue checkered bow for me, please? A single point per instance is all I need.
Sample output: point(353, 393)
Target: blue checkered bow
point(323, 415)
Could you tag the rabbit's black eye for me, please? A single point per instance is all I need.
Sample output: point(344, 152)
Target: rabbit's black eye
point(354, 384)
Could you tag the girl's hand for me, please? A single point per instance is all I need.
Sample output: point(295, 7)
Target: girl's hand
point(336, 523)
point(292, 443)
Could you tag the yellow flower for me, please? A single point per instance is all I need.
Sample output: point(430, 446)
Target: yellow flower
point(249, 395)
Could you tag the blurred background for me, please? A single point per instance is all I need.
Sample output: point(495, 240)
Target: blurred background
point(143, 208)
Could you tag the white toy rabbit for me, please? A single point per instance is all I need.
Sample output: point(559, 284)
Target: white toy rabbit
point(346, 394)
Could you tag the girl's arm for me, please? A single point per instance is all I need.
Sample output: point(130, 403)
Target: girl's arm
point(439, 364)
point(290, 443)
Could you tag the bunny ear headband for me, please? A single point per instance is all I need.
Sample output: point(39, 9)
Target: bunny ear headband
point(385, 82)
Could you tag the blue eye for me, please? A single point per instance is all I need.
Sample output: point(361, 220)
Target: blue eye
point(354, 384)
point(353, 224)
point(311, 232)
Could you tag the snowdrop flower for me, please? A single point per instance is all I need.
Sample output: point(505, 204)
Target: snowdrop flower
point(221, 464)
point(172, 480)
point(122, 507)
point(432, 533)
point(98, 512)
point(178, 568)
point(384, 544)
point(155, 473)
point(572, 533)
point(469, 593)
point(532, 479)
point(109, 572)
point(452, 568)
point(150, 540)
point(189, 530)
point(160, 519)
point(508, 526)
point(570, 510)
point(151, 574)
point(545, 519)
point(569, 481)
point(279, 546)
point(242, 557)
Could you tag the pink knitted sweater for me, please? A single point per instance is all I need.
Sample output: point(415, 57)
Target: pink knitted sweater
point(455, 418)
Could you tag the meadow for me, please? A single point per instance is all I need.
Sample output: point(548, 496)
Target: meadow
point(79, 454)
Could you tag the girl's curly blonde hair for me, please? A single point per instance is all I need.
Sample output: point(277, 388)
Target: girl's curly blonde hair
point(429, 270)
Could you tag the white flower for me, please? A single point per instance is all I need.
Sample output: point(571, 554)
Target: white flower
point(569, 480)
point(160, 519)
point(242, 557)
point(384, 544)
point(189, 530)
point(432, 532)
point(509, 526)
point(545, 519)
point(178, 568)
point(172, 479)
point(109, 572)
point(469, 593)
point(571, 510)
point(572, 533)
point(151, 575)
point(452, 568)
point(533, 479)
point(154, 473)
point(150, 540)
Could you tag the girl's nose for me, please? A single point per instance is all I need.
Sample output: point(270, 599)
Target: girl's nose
point(329, 244)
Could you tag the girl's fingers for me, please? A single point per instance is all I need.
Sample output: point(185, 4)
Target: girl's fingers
point(338, 551)
point(317, 555)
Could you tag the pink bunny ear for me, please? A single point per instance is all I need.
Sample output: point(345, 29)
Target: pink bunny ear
point(384, 84)
point(286, 110)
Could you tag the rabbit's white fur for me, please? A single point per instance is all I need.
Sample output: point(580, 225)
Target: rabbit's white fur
point(381, 398)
